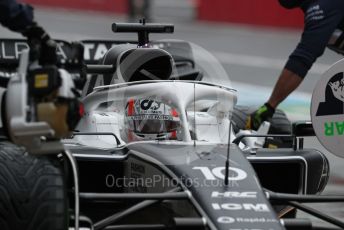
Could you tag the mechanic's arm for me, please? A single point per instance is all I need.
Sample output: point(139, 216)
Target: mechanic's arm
point(19, 18)
point(316, 35)
point(15, 16)
point(286, 84)
point(315, 38)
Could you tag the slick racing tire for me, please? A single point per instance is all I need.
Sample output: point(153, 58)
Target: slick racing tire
point(3, 129)
point(280, 124)
point(32, 191)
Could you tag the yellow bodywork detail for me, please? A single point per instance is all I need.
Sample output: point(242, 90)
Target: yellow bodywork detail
point(41, 81)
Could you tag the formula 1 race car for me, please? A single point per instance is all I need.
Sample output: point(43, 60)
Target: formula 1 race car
point(161, 145)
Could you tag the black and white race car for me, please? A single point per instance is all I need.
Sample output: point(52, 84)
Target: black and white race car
point(161, 145)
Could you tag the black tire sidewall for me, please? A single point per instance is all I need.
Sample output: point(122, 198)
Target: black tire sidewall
point(280, 123)
point(32, 191)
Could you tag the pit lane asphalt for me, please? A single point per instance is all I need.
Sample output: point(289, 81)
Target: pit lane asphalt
point(253, 58)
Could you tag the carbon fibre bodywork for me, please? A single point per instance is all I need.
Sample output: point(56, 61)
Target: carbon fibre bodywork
point(176, 184)
point(199, 170)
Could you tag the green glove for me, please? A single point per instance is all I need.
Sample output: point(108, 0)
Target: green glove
point(264, 113)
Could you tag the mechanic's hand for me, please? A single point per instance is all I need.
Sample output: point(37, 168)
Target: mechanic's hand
point(48, 55)
point(36, 32)
point(264, 113)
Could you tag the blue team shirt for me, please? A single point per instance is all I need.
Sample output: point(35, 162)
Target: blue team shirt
point(323, 28)
point(15, 16)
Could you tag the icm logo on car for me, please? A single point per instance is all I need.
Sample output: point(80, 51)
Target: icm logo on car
point(235, 206)
point(236, 174)
point(229, 194)
point(327, 109)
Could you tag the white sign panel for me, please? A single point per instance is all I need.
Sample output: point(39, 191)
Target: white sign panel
point(327, 109)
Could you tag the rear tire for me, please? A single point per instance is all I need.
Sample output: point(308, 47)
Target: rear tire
point(32, 191)
point(279, 124)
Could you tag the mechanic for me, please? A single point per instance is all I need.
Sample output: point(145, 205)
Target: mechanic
point(324, 26)
point(18, 17)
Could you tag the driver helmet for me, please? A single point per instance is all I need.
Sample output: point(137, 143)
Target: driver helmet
point(290, 4)
point(147, 119)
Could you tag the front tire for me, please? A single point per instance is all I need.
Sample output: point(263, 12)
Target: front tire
point(32, 191)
